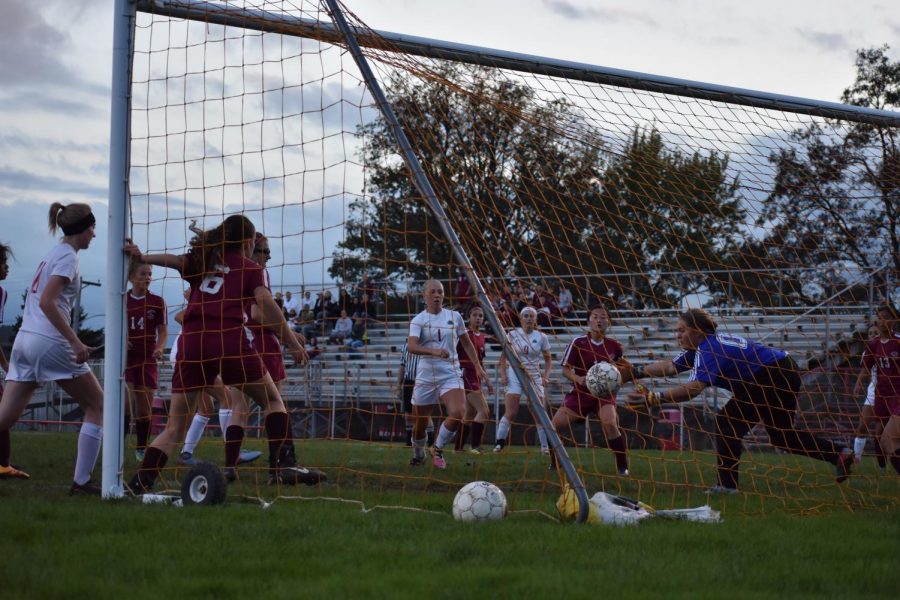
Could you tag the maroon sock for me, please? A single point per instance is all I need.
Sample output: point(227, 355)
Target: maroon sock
point(289, 442)
point(278, 432)
point(234, 439)
point(879, 455)
point(4, 448)
point(620, 451)
point(154, 461)
point(477, 434)
point(461, 436)
point(142, 431)
point(127, 428)
point(895, 460)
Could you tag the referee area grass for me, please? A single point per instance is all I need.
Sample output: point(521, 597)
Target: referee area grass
point(53, 545)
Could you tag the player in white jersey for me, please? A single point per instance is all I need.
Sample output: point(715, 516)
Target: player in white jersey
point(48, 349)
point(433, 335)
point(532, 347)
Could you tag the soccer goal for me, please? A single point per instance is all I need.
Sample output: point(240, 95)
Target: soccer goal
point(583, 209)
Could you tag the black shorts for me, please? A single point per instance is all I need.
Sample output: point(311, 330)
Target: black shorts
point(407, 394)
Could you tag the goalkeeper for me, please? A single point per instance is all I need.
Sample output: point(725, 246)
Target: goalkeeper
point(764, 382)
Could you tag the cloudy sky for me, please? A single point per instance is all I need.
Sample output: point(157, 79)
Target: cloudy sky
point(54, 104)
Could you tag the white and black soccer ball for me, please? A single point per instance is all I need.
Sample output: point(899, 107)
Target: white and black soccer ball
point(603, 379)
point(479, 501)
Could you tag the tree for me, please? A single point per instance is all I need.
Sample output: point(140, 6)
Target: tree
point(835, 204)
point(531, 189)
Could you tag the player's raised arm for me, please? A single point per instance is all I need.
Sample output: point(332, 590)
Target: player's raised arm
point(169, 261)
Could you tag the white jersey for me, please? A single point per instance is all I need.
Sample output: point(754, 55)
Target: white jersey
point(2, 303)
point(442, 330)
point(530, 348)
point(63, 261)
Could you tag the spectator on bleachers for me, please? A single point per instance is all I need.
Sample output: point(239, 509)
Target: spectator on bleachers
point(306, 304)
point(342, 328)
point(462, 291)
point(507, 314)
point(291, 305)
point(358, 334)
point(566, 303)
point(364, 308)
point(344, 300)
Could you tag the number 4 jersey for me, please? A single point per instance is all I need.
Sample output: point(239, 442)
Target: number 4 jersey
point(145, 315)
point(63, 262)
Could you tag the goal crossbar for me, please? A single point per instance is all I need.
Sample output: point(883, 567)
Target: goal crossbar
point(260, 20)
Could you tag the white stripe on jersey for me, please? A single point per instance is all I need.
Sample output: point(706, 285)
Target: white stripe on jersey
point(529, 348)
point(3, 296)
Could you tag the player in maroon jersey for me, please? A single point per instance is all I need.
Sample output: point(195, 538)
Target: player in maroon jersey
point(147, 334)
point(213, 342)
point(882, 357)
point(584, 352)
point(477, 411)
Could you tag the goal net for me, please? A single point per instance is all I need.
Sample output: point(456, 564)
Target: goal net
point(567, 191)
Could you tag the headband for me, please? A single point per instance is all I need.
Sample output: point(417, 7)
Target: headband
point(78, 226)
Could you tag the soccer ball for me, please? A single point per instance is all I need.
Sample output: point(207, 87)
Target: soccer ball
point(603, 379)
point(479, 501)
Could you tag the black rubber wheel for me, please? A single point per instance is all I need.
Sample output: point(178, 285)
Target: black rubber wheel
point(205, 484)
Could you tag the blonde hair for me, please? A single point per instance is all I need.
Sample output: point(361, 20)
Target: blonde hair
point(62, 215)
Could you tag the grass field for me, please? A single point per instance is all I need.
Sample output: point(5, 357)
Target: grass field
point(825, 542)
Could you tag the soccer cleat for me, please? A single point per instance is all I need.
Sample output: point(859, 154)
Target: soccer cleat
point(248, 456)
point(843, 466)
point(139, 455)
point(297, 475)
point(136, 487)
point(286, 471)
point(499, 447)
point(437, 459)
point(721, 490)
point(230, 474)
point(477, 451)
point(187, 458)
point(624, 473)
point(12, 472)
point(545, 451)
point(416, 461)
point(89, 488)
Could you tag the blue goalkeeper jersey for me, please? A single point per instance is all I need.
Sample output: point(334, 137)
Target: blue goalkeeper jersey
point(723, 360)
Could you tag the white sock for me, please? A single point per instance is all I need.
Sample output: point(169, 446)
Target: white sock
point(542, 436)
point(195, 432)
point(444, 437)
point(419, 447)
point(859, 444)
point(88, 450)
point(224, 419)
point(503, 428)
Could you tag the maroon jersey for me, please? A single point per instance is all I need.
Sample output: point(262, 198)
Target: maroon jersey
point(145, 315)
point(884, 356)
point(221, 300)
point(581, 355)
point(266, 342)
point(470, 375)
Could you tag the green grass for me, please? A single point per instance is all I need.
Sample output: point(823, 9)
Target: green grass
point(53, 545)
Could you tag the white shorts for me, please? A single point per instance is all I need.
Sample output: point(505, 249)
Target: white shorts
point(429, 392)
point(514, 386)
point(40, 359)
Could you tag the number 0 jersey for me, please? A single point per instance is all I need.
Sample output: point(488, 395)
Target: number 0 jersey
point(723, 360)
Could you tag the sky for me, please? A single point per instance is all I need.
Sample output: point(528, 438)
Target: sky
point(56, 67)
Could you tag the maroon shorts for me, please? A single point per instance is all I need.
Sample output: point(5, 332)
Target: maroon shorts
point(269, 349)
point(470, 380)
point(584, 404)
point(203, 355)
point(143, 375)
